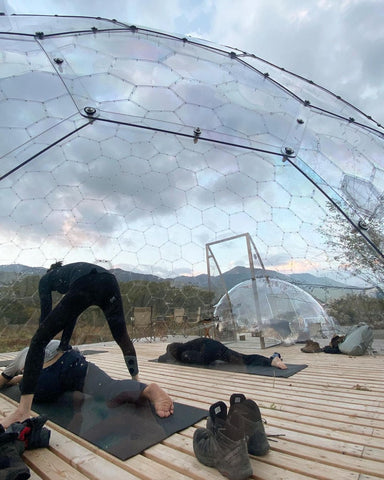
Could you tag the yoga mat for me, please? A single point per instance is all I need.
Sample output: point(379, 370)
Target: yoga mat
point(250, 369)
point(123, 431)
point(92, 352)
point(5, 363)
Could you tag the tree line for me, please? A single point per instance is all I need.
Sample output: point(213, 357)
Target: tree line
point(20, 304)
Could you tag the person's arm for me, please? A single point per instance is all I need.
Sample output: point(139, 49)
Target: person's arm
point(15, 380)
point(14, 368)
point(3, 381)
point(67, 335)
point(45, 294)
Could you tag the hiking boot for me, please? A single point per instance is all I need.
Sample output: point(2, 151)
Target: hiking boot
point(217, 416)
point(223, 446)
point(311, 347)
point(252, 423)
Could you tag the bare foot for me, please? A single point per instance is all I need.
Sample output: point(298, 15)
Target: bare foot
point(16, 416)
point(160, 400)
point(277, 362)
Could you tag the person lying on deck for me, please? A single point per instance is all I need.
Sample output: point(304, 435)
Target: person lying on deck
point(204, 351)
point(70, 371)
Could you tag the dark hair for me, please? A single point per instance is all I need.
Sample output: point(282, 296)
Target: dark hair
point(175, 349)
point(55, 266)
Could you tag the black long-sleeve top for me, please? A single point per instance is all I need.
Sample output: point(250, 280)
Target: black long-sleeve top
point(60, 280)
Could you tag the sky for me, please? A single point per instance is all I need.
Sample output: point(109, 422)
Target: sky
point(337, 44)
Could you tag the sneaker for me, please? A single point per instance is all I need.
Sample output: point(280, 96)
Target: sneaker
point(224, 447)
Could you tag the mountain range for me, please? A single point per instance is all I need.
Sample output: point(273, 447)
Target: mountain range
point(322, 288)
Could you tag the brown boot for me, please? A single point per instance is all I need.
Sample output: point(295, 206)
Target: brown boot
point(311, 347)
point(223, 444)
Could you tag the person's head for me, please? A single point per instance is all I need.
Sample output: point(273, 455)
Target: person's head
point(175, 349)
point(55, 266)
point(336, 340)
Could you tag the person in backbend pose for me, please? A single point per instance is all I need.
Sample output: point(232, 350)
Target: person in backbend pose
point(83, 284)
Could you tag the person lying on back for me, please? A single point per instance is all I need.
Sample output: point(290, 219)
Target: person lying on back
point(69, 371)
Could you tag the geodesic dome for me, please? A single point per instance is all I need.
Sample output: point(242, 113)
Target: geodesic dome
point(137, 147)
point(281, 310)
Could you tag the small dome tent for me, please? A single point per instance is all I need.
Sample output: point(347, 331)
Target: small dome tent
point(279, 309)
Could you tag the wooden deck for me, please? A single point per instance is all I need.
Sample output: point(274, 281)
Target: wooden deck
point(331, 415)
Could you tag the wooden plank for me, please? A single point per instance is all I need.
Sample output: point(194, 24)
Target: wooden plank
point(186, 464)
point(184, 444)
point(374, 453)
point(267, 385)
point(332, 416)
point(336, 459)
point(340, 421)
point(49, 466)
point(148, 469)
point(289, 403)
point(326, 438)
point(263, 471)
point(89, 462)
point(311, 394)
point(306, 466)
point(368, 477)
point(92, 463)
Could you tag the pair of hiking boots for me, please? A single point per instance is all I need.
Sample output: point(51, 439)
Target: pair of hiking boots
point(230, 436)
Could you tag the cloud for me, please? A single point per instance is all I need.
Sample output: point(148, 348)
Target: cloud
point(134, 186)
point(336, 44)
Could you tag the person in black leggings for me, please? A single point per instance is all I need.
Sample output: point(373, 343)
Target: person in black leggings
point(204, 351)
point(83, 284)
point(69, 371)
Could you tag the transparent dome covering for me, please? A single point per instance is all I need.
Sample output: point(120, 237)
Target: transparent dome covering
point(139, 147)
point(276, 308)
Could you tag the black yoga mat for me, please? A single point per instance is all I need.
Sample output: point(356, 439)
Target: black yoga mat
point(5, 363)
point(123, 431)
point(92, 352)
point(292, 368)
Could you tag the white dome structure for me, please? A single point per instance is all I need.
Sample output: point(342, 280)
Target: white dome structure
point(135, 147)
point(279, 309)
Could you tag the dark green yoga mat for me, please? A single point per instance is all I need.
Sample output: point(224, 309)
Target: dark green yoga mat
point(250, 369)
point(123, 431)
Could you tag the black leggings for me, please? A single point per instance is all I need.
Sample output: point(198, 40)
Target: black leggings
point(72, 372)
point(101, 386)
point(99, 289)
